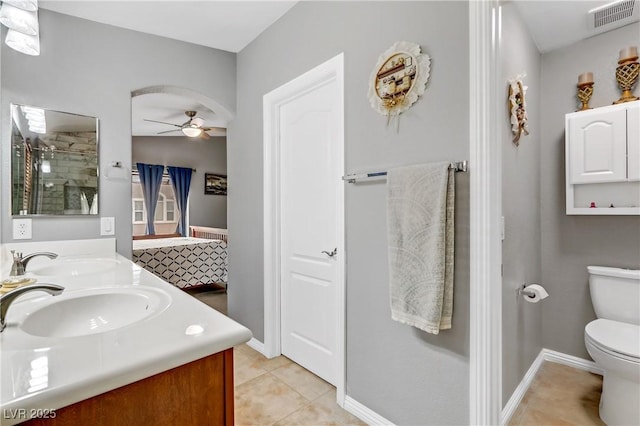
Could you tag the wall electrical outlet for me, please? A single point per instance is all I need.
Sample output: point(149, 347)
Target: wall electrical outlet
point(22, 229)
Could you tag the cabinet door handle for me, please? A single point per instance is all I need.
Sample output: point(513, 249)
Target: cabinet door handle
point(332, 253)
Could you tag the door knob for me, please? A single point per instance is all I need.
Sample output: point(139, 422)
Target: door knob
point(332, 253)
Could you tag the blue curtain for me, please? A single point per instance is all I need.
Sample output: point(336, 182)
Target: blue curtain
point(181, 181)
point(150, 180)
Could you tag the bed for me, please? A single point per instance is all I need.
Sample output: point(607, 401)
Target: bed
point(185, 262)
point(207, 232)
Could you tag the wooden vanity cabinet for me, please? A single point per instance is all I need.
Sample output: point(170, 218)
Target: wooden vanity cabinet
point(194, 394)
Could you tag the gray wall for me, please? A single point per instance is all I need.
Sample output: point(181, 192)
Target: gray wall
point(206, 156)
point(571, 243)
point(521, 321)
point(91, 68)
point(405, 375)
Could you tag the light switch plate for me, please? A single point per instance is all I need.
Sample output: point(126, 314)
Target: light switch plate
point(22, 229)
point(107, 226)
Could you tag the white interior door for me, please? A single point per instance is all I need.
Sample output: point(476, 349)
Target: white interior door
point(310, 225)
point(304, 289)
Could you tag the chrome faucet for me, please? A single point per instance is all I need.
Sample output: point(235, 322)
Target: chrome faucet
point(8, 298)
point(20, 263)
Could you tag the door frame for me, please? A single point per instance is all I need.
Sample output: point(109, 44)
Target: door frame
point(331, 70)
point(485, 152)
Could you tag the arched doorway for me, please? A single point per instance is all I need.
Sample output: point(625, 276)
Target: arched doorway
point(160, 115)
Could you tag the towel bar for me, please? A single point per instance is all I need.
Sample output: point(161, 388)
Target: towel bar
point(460, 166)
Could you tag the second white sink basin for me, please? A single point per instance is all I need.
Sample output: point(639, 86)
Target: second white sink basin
point(87, 312)
point(76, 266)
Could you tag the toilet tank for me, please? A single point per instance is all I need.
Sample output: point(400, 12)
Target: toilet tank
point(615, 293)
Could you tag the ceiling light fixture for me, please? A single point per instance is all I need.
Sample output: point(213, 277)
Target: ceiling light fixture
point(30, 5)
point(20, 20)
point(21, 17)
point(29, 45)
point(192, 131)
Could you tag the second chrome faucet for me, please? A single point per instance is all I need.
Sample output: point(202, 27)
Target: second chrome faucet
point(20, 263)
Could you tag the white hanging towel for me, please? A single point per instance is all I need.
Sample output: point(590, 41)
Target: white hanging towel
point(420, 222)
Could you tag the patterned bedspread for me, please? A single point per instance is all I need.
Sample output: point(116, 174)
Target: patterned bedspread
point(183, 261)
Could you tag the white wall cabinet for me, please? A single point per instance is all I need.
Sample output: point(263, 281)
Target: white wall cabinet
point(603, 160)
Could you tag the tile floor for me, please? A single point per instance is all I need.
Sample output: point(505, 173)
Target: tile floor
point(560, 396)
point(279, 392)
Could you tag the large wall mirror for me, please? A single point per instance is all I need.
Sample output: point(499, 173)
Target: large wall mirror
point(54, 162)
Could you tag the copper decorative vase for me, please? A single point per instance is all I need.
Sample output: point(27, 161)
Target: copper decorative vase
point(585, 91)
point(627, 76)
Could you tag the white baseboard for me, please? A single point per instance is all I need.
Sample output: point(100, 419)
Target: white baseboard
point(364, 413)
point(256, 345)
point(522, 388)
point(572, 361)
point(544, 355)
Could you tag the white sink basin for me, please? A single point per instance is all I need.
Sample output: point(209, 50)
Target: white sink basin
point(85, 312)
point(76, 266)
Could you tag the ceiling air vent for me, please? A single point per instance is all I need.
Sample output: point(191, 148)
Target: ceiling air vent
point(613, 15)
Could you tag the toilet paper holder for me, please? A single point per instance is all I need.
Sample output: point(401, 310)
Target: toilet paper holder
point(522, 291)
point(532, 293)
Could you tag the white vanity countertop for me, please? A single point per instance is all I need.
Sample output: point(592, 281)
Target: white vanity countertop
point(47, 373)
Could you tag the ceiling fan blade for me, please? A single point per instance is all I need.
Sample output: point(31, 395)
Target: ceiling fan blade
point(162, 122)
point(204, 135)
point(197, 121)
point(206, 129)
point(169, 131)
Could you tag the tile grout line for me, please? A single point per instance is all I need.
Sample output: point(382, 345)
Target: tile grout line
point(308, 401)
point(285, 384)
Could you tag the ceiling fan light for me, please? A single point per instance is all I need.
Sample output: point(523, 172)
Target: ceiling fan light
point(29, 45)
point(197, 121)
point(30, 5)
point(19, 20)
point(192, 132)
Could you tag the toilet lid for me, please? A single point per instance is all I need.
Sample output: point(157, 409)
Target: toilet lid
point(615, 336)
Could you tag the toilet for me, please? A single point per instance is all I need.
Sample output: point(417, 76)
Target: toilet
point(613, 341)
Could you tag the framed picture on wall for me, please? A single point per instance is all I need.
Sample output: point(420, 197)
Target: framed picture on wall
point(215, 184)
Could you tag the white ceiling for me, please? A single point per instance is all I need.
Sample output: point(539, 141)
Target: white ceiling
point(226, 25)
point(554, 24)
point(232, 25)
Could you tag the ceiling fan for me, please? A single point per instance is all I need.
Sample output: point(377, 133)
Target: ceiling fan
point(191, 128)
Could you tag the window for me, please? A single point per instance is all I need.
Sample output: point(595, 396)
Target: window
point(170, 211)
point(166, 215)
point(138, 211)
